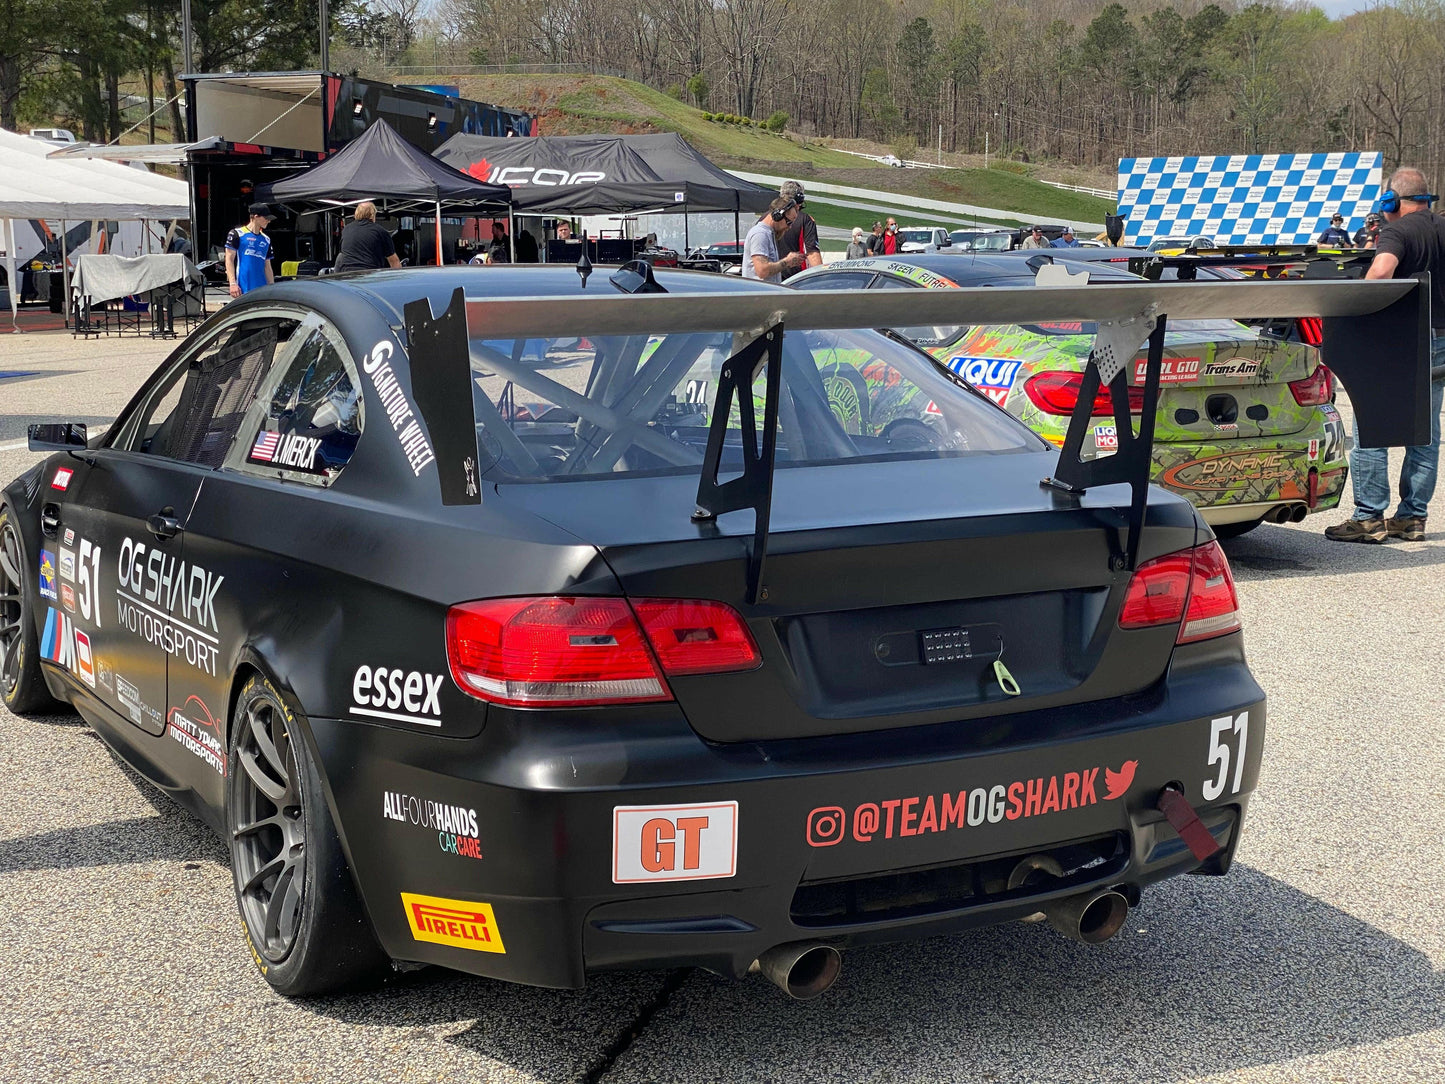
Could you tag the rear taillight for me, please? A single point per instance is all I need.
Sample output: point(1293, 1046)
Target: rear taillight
point(696, 637)
point(1056, 392)
point(1311, 330)
point(1192, 588)
point(1315, 389)
point(571, 651)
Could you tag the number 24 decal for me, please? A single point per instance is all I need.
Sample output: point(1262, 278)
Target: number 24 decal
point(1334, 439)
point(1220, 753)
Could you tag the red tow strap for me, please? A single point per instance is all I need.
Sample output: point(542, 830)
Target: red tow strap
point(1186, 822)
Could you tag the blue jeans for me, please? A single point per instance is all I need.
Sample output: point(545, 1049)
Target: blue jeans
point(1370, 467)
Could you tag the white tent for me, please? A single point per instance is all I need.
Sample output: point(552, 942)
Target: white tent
point(33, 186)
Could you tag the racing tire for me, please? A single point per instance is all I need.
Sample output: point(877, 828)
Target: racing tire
point(304, 922)
point(1234, 530)
point(22, 687)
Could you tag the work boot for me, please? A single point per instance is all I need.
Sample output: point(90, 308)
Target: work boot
point(1406, 528)
point(1357, 530)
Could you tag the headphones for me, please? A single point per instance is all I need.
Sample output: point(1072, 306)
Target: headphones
point(1389, 202)
point(782, 216)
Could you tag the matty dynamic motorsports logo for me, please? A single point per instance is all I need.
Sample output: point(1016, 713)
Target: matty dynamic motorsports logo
point(923, 815)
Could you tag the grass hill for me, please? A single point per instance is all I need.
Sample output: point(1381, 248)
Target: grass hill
point(580, 104)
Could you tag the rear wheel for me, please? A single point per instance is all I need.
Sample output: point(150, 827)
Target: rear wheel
point(304, 921)
point(21, 686)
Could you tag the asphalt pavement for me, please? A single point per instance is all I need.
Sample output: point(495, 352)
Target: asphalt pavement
point(1318, 958)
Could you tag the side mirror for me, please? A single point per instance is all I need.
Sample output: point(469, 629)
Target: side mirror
point(56, 437)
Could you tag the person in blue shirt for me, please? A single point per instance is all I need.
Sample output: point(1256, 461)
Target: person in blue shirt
point(1335, 233)
point(248, 253)
point(1065, 239)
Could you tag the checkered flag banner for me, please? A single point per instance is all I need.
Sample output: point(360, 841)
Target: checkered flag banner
point(1246, 199)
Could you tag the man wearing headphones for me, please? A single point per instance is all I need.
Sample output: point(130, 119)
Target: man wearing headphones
point(760, 248)
point(1412, 240)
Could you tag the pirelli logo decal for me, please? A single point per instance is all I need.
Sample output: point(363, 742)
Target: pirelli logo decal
point(457, 923)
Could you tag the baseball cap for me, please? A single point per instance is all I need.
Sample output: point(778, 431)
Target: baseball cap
point(1372, 217)
point(1337, 217)
point(264, 209)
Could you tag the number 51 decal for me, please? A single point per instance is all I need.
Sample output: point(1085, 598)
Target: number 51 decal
point(1219, 753)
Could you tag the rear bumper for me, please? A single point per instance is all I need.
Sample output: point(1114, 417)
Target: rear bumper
point(855, 839)
point(1231, 481)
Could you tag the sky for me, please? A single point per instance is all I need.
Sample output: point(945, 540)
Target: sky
point(1338, 9)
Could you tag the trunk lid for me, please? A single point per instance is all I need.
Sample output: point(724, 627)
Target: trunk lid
point(892, 587)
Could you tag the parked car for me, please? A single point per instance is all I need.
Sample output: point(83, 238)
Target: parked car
point(981, 240)
point(471, 661)
point(1161, 244)
point(1246, 428)
point(923, 239)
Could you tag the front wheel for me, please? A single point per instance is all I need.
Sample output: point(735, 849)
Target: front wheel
point(22, 688)
point(304, 922)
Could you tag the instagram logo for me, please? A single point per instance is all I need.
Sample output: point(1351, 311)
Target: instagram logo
point(826, 826)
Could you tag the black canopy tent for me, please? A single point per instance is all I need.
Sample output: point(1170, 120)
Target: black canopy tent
point(380, 165)
point(605, 174)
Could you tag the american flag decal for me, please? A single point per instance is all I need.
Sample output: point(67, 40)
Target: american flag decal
point(265, 447)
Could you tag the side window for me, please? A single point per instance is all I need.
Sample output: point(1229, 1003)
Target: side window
point(309, 421)
point(841, 280)
point(195, 411)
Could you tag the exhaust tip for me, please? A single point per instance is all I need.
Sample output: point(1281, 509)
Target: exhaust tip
point(1297, 513)
point(802, 970)
point(1090, 919)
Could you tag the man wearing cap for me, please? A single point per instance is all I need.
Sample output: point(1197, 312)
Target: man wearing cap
point(1413, 240)
point(248, 253)
point(1368, 234)
point(1335, 233)
point(1035, 239)
point(802, 236)
point(1065, 239)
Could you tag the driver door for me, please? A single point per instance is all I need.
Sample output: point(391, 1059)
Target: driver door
point(127, 605)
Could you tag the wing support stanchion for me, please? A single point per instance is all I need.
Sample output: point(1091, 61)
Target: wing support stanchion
point(1109, 366)
point(753, 488)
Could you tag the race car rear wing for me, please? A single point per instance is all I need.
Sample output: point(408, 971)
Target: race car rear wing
point(1376, 335)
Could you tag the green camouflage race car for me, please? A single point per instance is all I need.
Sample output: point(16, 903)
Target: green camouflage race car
point(1246, 430)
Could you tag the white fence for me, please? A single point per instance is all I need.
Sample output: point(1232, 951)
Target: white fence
point(1102, 193)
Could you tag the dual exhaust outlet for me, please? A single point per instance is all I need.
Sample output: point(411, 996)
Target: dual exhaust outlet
point(804, 969)
point(1287, 513)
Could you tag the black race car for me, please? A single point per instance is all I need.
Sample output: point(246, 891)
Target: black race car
point(443, 613)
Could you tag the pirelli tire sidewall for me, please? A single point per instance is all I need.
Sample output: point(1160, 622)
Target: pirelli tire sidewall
point(334, 948)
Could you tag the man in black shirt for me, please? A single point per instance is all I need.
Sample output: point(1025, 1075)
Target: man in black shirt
point(1367, 234)
point(874, 240)
point(365, 246)
point(1412, 240)
point(802, 236)
point(500, 250)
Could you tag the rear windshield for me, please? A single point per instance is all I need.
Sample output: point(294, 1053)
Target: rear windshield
point(555, 409)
